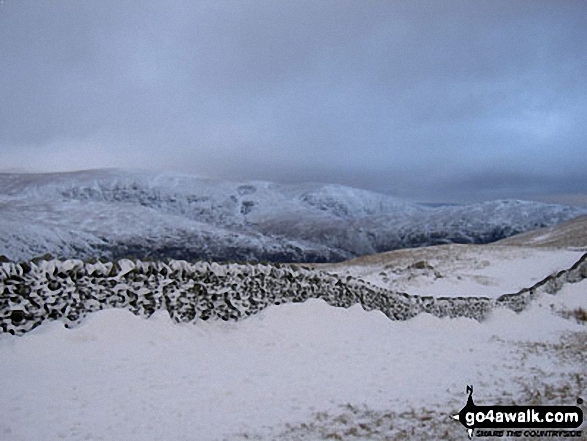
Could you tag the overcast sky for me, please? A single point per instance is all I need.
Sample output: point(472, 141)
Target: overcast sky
point(428, 100)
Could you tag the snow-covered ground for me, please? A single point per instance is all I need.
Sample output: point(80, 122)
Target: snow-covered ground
point(301, 371)
point(459, 270)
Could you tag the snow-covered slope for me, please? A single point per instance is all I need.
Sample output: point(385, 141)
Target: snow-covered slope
point(115, 213)
point(468, 270)
point(457, 270)
point(568, 234)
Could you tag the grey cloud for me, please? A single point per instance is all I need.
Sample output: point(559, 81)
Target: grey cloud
point(405, 96)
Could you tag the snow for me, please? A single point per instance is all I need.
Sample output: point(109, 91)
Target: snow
point(118, 376)
point(293, 370)
point(461, 270)
point(116, 213)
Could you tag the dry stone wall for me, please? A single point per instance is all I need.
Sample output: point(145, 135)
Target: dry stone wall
point(36, 291)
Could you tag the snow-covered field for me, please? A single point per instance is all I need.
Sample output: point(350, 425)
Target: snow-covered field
point(303, 371)
point(459, 270)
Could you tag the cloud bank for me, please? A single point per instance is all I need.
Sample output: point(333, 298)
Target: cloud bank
point(438, 101)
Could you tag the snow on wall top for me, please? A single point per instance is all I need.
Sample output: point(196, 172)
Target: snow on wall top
point(33, 292)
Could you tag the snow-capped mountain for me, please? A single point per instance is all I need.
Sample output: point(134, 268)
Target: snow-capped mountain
point(116, 213)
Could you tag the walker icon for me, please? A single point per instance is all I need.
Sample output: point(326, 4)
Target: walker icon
point(469, 407)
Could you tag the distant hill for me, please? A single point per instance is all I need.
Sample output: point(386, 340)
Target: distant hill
point(572, 233)
point(116, 213)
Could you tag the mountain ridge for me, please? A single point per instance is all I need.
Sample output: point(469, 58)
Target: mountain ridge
point(115, 213)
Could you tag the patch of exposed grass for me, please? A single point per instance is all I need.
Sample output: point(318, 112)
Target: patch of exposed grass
point(570, 348)
point(577, 314)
